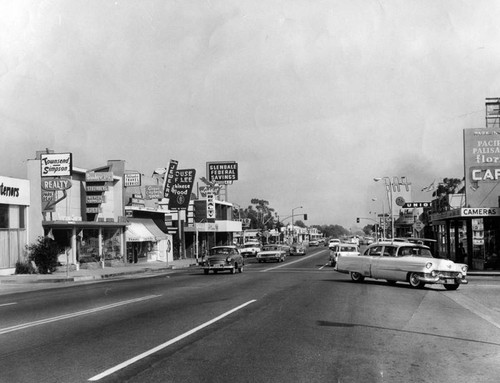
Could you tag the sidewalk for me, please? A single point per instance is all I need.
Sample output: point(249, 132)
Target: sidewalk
point(83, 275)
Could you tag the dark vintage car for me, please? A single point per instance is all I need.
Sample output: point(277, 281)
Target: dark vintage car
point(297, 250)
point(222, 258)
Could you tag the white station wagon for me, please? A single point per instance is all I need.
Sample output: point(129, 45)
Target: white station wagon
point(403, 261)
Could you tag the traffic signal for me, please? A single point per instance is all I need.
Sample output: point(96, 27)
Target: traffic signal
point(357, 220)
point(305, 217)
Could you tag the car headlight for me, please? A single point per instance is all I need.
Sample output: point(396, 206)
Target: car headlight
point(428, 265)
point(228, 259)
point(464, 269)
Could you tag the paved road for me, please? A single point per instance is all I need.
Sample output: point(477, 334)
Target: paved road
point(297, 321)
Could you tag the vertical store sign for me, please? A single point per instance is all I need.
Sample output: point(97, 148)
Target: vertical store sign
point(210, 207)
point(169, 178)
point(54, 165)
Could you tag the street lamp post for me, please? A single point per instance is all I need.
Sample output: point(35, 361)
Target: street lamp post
point(383, 215)
point(388, 190)
point(293, 231)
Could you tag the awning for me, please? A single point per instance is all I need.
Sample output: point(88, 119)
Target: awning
point(150, 226)
point(137, 232)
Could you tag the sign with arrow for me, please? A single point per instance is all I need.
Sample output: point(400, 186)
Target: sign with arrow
point(50, 189)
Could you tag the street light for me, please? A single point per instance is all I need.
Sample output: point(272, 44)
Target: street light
point(388, 190)
point(293, 231)
point(383, 215)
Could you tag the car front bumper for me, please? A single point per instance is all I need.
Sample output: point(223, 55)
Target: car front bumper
point(443, 279)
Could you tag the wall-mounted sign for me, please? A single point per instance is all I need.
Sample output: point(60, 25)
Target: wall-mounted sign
point(99, 177)
point(152, 192)
point(96, 188)
point(132, 179)
point(211, 207)
point(56, 184)
point(56, 164)
point(14, 191)
point(180, 193)
point(92, 199)
point(222, 171)
point(93, 210)
point(409, 205)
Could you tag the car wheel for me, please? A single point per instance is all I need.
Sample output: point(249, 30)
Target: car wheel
point(240, 269)
point(206, 271)
point(414, 281)
point(391, 282)
point(452, 286)
point(233, 270)
point(357, 277)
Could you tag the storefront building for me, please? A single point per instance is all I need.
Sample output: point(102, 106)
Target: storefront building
point(14, 206)
point(82, 210)
point(470, 233)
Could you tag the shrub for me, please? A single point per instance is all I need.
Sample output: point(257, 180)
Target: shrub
point(24, 268)
point(44, 253)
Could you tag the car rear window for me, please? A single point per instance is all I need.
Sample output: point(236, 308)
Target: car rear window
point(348, 249)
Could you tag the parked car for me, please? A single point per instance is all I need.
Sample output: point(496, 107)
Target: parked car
point(297, 249)
point(222, 258)
point(403, 261)
point(340, 250)
point(313, 243)
point(276, 253)
point(250, 249)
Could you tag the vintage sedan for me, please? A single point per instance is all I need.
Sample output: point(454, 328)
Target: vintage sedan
point(222, 258)
point(403, 261)
point(297, 249)
point(250, 249)
point(276, 253)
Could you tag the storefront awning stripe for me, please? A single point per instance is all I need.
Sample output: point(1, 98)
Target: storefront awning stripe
point(137, 232)
point(151, 227)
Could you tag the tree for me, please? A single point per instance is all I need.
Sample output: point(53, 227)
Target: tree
point(444, 189)
point(44, 253)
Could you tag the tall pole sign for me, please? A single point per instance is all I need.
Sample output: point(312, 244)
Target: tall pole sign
point(169, 178)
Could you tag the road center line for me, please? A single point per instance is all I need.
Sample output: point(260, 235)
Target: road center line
point(166, 344)
point(289, 263)
point(73, 315)
point(8, 304)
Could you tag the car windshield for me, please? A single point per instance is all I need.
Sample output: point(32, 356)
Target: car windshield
point(221, 251)
point(271, 248)
point(414, 251)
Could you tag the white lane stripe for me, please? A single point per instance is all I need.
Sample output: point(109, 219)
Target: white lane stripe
point(72, 315)
point(8, 304)
point(289, 263)
point(166, 344)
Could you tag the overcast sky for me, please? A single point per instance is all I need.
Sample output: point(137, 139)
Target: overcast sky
point(312, 99)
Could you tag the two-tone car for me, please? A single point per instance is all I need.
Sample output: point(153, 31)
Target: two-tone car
point(223, 258)
point(276, 253)
point(250, 249)
point(409, 262)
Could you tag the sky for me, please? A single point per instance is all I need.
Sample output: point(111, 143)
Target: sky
point(313, 100)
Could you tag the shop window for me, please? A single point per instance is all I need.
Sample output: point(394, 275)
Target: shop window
point(88, 246)
point(111, 243)
point(4, 216)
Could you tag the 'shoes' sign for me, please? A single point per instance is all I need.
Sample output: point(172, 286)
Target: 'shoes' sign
point(180, 192)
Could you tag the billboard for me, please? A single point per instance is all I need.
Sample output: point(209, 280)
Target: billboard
point(222, 171)
point(56, 164)
point(482, 166)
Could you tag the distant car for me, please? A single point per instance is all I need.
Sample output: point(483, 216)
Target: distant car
point(297, 250)
point(313, 243)
point(250, 249)
point(333, 242)
point(403, 261)
point(340, 250)
point(276, 253)
point(222, 258)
